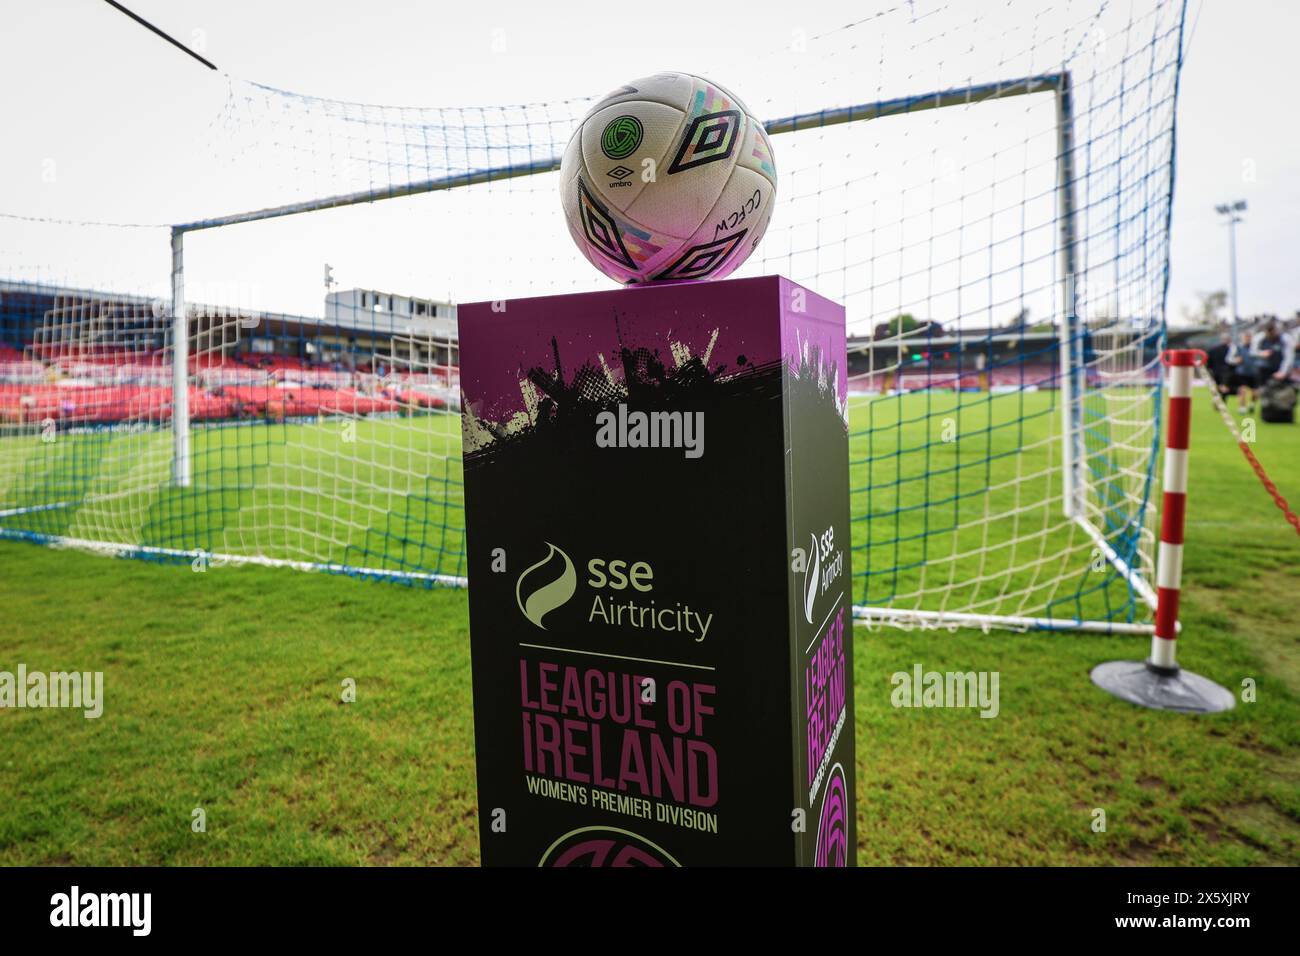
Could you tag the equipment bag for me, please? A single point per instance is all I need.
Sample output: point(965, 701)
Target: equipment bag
point(1277, 402)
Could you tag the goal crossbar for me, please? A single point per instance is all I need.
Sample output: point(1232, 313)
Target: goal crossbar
point(964, 96)
point(1070, 385)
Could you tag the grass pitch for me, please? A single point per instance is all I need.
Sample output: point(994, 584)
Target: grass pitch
point(223, 689)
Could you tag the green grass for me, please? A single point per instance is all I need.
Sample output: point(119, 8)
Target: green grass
point(223, 688)
point(380, 493)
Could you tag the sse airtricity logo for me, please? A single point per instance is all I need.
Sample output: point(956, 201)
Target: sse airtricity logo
point(548, 584)
point(811, 580)
point(825, 565)
point(624, 594)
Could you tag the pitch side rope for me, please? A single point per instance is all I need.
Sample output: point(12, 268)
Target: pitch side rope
point(1226, 415)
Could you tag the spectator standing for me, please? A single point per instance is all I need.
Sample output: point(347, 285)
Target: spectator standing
point(1274, 353)
point(1241, 376)
point(1216, 359)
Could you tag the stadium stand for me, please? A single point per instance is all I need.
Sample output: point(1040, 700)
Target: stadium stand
point(77, 357)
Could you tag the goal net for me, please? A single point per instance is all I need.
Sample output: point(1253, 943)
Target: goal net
point(987, 191)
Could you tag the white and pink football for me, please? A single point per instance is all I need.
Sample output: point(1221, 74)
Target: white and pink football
point(668, 178)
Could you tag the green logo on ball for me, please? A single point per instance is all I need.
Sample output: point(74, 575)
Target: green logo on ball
point(621, 137)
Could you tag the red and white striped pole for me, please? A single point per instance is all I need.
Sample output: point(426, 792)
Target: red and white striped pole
point(1169, 561)
point(1158, 682)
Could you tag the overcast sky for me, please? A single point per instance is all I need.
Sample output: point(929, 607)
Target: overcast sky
point(101, 117)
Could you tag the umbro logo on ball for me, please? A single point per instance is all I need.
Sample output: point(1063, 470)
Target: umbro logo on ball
point(619, 174)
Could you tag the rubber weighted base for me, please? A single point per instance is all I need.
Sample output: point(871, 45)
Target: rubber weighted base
point(1161, 688)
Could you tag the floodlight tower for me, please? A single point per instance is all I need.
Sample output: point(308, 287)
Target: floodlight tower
point(1231, 210)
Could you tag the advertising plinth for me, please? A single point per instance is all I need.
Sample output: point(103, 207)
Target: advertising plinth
point(657, 511)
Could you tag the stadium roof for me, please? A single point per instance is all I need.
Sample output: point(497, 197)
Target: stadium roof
point(364, 320)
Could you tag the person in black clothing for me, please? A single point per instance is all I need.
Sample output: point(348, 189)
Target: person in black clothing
point(1216, 360)
point(1236, 374)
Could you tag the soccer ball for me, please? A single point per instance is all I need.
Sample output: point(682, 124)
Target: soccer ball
point(668, 178)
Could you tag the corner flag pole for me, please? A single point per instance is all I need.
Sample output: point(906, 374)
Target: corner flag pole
point(1158, 682)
